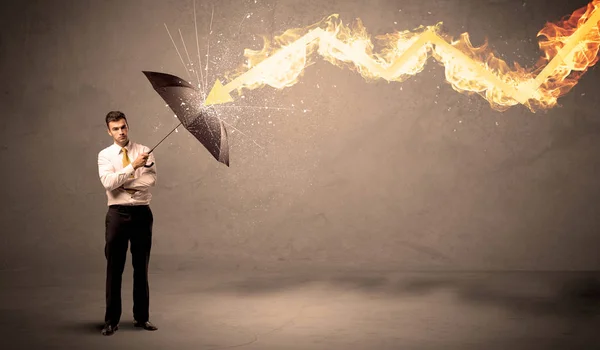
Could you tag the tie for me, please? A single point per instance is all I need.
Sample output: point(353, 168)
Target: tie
point(126, 162)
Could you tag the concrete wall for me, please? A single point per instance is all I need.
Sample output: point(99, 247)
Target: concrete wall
point(378, 175)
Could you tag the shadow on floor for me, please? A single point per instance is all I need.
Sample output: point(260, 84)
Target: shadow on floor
point(83, 326)
point(92, 327)
point(536, 293)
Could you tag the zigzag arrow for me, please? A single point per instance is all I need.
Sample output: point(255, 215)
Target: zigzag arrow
point(521, 93)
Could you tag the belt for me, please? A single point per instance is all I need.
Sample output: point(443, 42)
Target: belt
point(128, 207)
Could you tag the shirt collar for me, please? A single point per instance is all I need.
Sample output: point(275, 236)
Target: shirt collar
point(127, 146)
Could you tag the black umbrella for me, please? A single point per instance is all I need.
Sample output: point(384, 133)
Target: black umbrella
point(200, 121)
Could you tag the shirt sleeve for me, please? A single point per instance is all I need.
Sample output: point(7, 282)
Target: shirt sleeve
point(147, 176)
point(110, 178)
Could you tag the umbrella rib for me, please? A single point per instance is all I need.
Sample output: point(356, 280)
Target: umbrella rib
point(210, 131)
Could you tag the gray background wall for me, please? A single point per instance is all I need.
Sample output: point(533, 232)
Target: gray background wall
point(399, 176)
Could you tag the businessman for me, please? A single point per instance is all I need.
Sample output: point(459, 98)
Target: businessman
point(127, 178)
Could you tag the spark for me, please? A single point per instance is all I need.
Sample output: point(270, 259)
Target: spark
point(176, 49)
point(207, 60)
point(240, 26)
point(218, 116)
point(208, 43)
point(238, 130)
point(187, 54)
point(260, 107)
point(201, 82)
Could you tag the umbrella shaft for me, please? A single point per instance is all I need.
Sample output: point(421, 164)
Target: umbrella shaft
point(175, 128)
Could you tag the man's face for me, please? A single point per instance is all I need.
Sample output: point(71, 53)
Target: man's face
point(118, 131)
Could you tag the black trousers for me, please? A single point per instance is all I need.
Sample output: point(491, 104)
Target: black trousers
point(126, 224)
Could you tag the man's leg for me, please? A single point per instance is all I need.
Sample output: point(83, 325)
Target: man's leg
point(141, 244)
point(115, 252)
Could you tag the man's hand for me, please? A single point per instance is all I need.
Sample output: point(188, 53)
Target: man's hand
point(140, 161)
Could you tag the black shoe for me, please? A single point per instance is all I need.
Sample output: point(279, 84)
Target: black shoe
point(146, 325)
point(109, 329)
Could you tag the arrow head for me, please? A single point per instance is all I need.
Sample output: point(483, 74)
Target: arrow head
point(218, 94)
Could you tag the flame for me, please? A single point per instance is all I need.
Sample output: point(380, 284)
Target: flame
point(561, 79)
point(570, 48)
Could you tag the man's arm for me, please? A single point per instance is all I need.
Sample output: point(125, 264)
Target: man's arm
point(147, 177)
point(110, 178)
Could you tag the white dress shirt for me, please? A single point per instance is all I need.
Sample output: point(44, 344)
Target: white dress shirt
point(115, 178)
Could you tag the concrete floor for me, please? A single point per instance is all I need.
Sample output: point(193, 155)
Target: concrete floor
point(306, 309)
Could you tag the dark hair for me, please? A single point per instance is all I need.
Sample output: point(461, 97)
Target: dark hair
point(114, 116)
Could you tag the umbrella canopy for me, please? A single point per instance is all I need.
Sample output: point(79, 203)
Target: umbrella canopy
point(199, 120)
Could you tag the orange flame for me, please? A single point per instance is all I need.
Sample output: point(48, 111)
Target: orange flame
point(570, 49)
point(564, 75)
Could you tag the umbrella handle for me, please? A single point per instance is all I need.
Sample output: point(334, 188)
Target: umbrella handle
point(151, 164)
point(148, 166)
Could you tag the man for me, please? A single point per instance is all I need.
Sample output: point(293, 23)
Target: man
point(129, 219)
